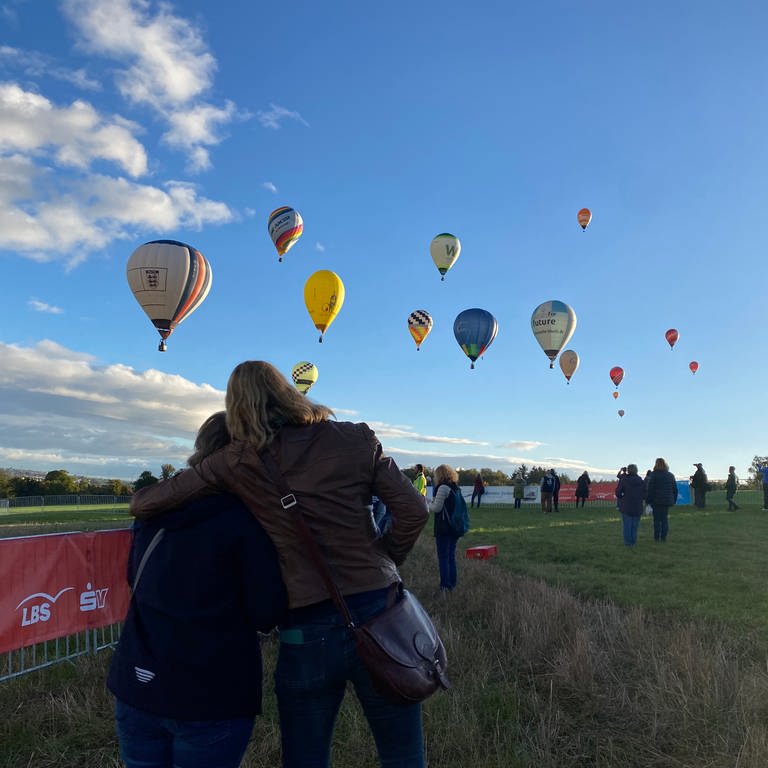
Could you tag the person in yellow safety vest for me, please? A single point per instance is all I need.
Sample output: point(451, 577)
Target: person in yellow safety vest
point(420, 481)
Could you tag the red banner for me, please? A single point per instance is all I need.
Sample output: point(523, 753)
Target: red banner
point(597, 491)
point(60, 584)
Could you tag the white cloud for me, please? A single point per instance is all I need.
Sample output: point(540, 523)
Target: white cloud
point(273, 117)
point(395, 432)
point(41, 306)
point(521, 445)
point(269, 186)
point(319, 247)
point(34, 65)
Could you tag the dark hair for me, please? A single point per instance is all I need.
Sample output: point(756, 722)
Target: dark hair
point(212, 435)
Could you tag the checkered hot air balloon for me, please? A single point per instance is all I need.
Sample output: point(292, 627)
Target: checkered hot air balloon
point(304, 376)
point(419, 324)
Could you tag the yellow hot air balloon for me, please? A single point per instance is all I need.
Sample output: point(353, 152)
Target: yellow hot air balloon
point(324, 296)
point(445, 249)
point(569, 362)
point(419, 324)
point(304, 376)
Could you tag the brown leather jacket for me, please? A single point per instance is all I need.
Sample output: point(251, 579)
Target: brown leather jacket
point(333, 468)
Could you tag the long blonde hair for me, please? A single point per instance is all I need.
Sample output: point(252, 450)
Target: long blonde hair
point(260, 400)
point(445, 474)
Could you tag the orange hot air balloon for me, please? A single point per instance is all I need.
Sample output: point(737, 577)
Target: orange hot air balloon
point(616, 374)
point(615, 394)
point(694, 366)
point(569, 362)
point(671, 336)
point(584, 216)
point(621, 412)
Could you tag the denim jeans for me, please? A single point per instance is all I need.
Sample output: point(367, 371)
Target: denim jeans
point(316, 659)
point(446, 559)
point(660, 522)
point(630, 525)
point(151, 741)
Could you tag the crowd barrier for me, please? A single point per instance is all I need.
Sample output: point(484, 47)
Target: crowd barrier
point(63, 500)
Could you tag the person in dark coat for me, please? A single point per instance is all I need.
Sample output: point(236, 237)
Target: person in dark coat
point(661, 494)
point(699, 484)
point(187, 671)
point(582, 488)
point(630, 491)
point(478, 489)
point(556, 491)
point(731, 484)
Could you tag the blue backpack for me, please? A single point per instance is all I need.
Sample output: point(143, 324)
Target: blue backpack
point(459, 517)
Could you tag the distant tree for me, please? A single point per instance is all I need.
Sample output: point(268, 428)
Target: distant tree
point(521, 472)
point(536, 474)
point(756, 479)
point(59, 482)
point(166, 471)
point(145, 478)
point(6, 488)
point(565, 479)
point(27, 486)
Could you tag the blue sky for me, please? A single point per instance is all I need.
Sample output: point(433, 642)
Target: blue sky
point(124, 121)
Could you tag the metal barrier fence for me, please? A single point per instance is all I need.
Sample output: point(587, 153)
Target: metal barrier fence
point(41, 655)
point(69, 500)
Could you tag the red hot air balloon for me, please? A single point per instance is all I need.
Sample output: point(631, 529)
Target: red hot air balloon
point(671, 336)
point(584, 216)
point(615, 394)
point(616, 374)
point(694, 366)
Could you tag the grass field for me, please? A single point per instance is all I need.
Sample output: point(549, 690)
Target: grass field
point(567, 650)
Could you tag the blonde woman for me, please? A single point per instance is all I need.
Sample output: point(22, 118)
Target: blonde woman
point(446, 479)
point(334, 469)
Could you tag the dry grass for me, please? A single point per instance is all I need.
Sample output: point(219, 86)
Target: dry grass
point(540, 678)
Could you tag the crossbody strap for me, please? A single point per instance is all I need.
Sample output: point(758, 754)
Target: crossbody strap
point(147, 552)
point(289, 501)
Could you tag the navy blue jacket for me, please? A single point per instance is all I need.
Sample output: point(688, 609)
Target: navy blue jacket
point(662, 488)
point(189, 648)
point(631, 494)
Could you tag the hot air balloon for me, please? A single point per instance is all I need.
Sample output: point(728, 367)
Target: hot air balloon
point(285, 226)
point(304, 376)
point(419, 324)
point(169, 280)
point(615, 394)
point(616, 374)
point(569, 362)
point(553, 324)
point(672, 336)
point(584, 216)
point(621, 411)
point(445, 249)
point(475, 329)
point(694, 366)
point(323, 295)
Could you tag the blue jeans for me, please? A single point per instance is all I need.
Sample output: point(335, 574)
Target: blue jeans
point(151, 741)
point(316, 659)
point(630, 525)
point(446, 559)
point(660, 522)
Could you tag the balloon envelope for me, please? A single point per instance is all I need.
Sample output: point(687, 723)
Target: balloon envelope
point(324, 297)
point(419, 324)
point(616, 374)
point(569, 362)
point(621, 412)
point(474, 330)
point(304, 376)
point(445, 249)
point(285, 226)
point(584, 216)
point(170, 280)
point(672, 336)
point(553, 324)
point(694, 366)
point(615, 394)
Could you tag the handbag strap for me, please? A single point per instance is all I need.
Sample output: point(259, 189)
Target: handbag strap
point(289, 501)
point(147, 552)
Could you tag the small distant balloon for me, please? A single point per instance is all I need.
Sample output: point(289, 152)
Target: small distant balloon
point(615, 394)
point(419, 324)
point(584, 216)
point(616, 374)
point(553, 324)
point(569, 362)
point(694, 366)
point(474, 330)
point(672, 336)
point(304, 376)
point(621, 411)
point(285, 226)
point(323, 296)
point(444, 249)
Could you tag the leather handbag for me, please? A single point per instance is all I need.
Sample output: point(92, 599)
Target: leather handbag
point(400, 646)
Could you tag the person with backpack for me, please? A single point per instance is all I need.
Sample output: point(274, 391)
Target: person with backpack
point(451, 522)
point(547, 489)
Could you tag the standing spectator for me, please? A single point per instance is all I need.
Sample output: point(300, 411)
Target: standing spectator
point(763, 469)
point(335, 468)
point(445, 538)
point(420, 481)
point(661, 495)
point(477, 491)
point(555, 491)
point(630, 491)
point(699, 484)
point(582, 488)
point(547, 489)
point(519, 492)
point(187, 671)
point(731, 484)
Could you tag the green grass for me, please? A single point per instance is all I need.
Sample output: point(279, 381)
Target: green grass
point(36, 520)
